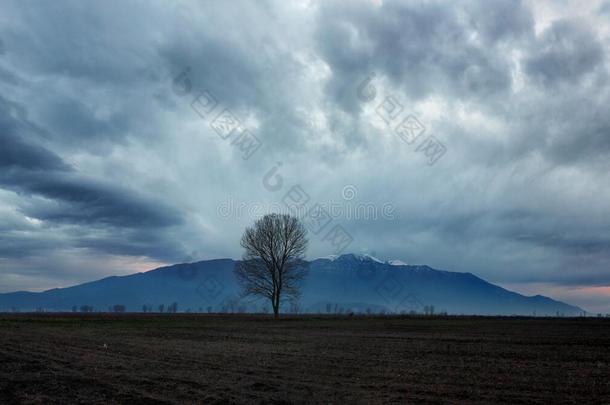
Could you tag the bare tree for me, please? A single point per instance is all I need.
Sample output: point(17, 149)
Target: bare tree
point(273, 265)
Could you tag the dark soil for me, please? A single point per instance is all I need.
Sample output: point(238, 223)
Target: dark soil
point(209, 359)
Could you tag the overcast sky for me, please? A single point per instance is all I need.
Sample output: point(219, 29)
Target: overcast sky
point(472, 137)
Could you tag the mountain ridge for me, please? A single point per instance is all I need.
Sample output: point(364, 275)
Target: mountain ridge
point(346, 283)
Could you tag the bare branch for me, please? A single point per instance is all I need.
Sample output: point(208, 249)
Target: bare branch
point(272, 266)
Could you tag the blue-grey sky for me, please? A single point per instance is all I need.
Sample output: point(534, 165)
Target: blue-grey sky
point(112, 160)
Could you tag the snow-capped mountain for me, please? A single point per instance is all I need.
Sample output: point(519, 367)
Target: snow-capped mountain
point(346, 283)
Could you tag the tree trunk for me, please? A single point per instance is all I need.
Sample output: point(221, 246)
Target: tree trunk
point(275, 301)
point(276, 306)
point(276, 309)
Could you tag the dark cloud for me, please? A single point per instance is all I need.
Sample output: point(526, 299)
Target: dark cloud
point(79, 126)
point(566, 52)
point(505, 20)
point(78, 41)
point(55, 198)
point(86, 201)
point(69, 197)
point(17, 151)
point(423, 48)
point(102, 161)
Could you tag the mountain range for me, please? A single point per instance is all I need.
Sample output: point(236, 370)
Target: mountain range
point(348, 283)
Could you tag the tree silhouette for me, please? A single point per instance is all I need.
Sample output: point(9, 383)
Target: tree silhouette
point(273, 265)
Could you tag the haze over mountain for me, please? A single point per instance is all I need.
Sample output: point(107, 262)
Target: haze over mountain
point(346, 283)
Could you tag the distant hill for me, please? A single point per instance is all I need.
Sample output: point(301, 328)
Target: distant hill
point(346, 283)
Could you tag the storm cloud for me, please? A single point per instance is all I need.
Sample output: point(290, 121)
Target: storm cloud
point(108, 163)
